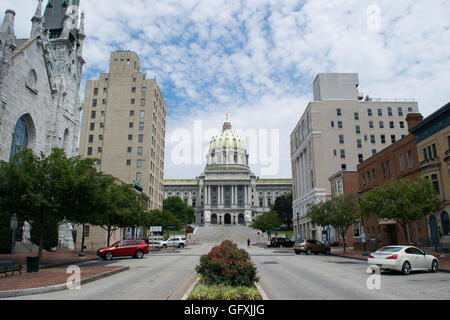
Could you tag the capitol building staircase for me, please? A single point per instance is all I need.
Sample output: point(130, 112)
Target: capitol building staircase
point(237, 234)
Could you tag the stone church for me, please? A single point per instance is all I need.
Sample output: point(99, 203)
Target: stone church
point(40, 79)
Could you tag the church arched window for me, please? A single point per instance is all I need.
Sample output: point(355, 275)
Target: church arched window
point(23, 134)
point(32, 80)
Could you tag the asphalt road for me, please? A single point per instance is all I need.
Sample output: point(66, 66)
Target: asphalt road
point(288, 276)
point(158, 276)
point(284, 276)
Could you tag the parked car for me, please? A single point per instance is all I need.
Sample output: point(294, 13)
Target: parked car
point(174, 242)
point(403, 258)
point(279, 242)
point(133, 248)
point(311, 246)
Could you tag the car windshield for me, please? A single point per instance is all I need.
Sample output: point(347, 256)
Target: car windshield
point(390, 249)
point(115, 243)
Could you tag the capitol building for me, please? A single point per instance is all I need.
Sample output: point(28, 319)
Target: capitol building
point(227, 193)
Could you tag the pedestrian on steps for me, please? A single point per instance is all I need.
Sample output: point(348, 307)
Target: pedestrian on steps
point(248, 243)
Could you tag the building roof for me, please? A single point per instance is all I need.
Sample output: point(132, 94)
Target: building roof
point(432, 124)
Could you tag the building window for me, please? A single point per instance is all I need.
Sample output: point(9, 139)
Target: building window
point(383, 170)
point(131, 113)
point(402, 162)
point(132, 101)
point(94, 102)
point(356, 115)
point(89, 151)
point(360, 158)
point(339, 112)
point(130, 137)
point(341, 139)
point(142, 102)
point(356, 232)
point(335, 152)
point(100, 137)
point(374, 152)
point(95, 91)
point(133, 89)
point(393, 138)
point(402, 124)
point(99, 149)
point(102, 125)
point(435, 181)
point(91, 138)
point(371, 126)
point(359, 143)
point(358, 129)
point(383, 138)
point(128, 162)
point(332, 124)
point(141, 126)
point(340, 126)
point(391, 124)
point(381, 125)
point(141, 138)
point(138, 177)
point(342, 154)
point(139, 152)
point(433, 146)
point(129, 149)
point(374, 176)
point(380, 112)
point(388, 166)
point(400, 112)
point(389, 111)
point(369, 112)
point(92, 126)
point(139, 164)
point(410, 159)
point(372, 139)
point(130, 125)
point(142, 114)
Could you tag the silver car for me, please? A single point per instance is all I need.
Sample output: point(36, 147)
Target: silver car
point(403, 258)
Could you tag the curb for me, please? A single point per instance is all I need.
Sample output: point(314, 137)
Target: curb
point(363, 259)
point(64, 264)
point(58, 287)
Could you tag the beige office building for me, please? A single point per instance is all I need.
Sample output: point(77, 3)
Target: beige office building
point(123, 125)
point(336, 132)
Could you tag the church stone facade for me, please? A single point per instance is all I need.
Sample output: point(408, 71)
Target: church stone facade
point(227, 192)
point(40, 79)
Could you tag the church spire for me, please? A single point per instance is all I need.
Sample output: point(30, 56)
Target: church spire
point(81, 35)
point(37, 21)
point(7, 28)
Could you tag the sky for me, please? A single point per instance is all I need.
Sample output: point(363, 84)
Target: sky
point(256, 60)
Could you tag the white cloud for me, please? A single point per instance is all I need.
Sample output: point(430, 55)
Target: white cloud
point(257, 58)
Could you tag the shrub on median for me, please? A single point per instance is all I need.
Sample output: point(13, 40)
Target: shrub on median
point(227, 265)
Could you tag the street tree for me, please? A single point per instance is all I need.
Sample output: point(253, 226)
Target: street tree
point(401, 200)
point(283, 205)
point(180, 209)
point(267, 222)
point(340, 212)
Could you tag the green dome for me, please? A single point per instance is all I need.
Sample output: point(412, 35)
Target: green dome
point(227, 138)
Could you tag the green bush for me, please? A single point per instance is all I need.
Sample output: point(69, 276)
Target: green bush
point(227, 265)
point(221, 292)
point(51, 237)
point(5, 233)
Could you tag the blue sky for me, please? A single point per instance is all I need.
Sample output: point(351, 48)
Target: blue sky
point(256, 59)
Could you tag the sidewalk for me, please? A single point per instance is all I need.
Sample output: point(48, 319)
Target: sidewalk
point(54, 258)
point(444, 258)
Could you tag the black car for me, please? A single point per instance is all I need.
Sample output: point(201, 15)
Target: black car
point(281, 242)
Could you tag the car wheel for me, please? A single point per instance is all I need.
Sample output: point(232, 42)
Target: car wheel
point(297, 252)
point(435, 266)
point(406, 268)
point(139, 254)
point(109, 256)
point(181, 245)
point(308, 251)
point(164, 246)
point(327, 252)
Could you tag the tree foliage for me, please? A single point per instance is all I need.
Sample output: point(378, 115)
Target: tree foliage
point(402, 200)
point(179, 209)
point(283, 206)
point(267, 221)
point(340, 212)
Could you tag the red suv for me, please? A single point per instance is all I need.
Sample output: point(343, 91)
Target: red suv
point(133, 248)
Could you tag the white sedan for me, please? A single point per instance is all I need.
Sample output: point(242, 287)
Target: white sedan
point(403, 258)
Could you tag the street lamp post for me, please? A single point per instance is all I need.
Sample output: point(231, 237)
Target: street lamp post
point(14, 223)
point(82, 255)
point(363, 235)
